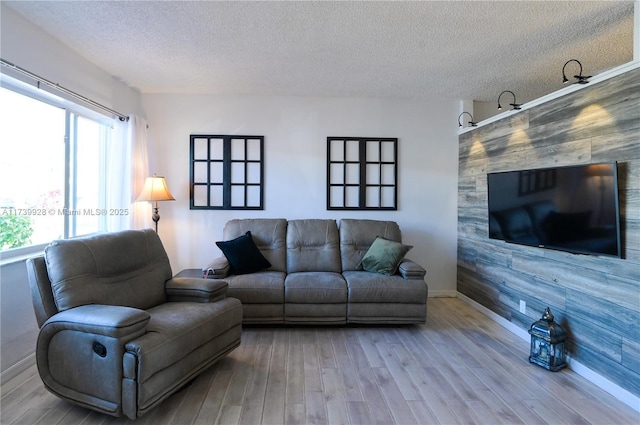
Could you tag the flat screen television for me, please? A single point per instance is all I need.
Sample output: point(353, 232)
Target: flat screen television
point(572, 208)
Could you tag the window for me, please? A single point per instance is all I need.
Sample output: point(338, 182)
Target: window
point(227, 172)
point(52, 169)
point(362, 173)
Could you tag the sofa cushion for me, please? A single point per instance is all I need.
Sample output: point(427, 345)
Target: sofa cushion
point(315, 297)
point(384, 256)
point(263, 287)
point(243, 254)
point(315, 288)
point(175, 330)
point(126, 268)
point(366, 287)
point(313, 246)
point(269, 235)
point(356, 236)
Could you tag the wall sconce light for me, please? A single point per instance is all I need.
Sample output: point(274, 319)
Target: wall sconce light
point(471, 123)
point(514, 105)
point(582, 79)
point(155, 189)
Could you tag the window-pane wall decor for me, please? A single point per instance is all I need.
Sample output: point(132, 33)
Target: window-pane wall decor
point(362, 173)
point(227, 172)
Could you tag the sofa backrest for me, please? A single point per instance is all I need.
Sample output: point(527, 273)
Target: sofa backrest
point(269, 235)
point(313, 245)
point(127, 268)
point(356, 236)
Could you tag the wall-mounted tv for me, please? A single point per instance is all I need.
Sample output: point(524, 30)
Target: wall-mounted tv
point(572, 208)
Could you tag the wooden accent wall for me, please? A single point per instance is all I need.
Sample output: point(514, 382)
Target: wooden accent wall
point(595, 299)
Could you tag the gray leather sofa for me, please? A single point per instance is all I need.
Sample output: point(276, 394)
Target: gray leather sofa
point(315, 276)
point(117, 333)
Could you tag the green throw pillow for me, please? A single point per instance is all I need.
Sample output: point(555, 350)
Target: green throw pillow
point(384, 256)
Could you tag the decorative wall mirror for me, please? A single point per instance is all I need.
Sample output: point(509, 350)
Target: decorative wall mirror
point(362, 173)
point(226, 172)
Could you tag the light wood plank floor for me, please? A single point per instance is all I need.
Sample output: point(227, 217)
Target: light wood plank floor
point(459, 368)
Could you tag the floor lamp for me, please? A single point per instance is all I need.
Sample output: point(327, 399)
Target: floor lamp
point(155, 189)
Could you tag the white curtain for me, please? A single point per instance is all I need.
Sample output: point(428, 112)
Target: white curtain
point(127, 168)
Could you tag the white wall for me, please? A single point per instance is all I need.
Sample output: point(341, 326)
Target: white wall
point(295, 130)
point(484, 110)
point(28, 47)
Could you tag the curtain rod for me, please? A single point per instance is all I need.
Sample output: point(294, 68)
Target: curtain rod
point(58, 87)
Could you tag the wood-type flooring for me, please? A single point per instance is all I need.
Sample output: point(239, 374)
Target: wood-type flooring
point(459, 368)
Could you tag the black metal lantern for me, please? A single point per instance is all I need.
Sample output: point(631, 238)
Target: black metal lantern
point(547, 343)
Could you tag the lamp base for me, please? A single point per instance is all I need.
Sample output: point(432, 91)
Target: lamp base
point(155, 216)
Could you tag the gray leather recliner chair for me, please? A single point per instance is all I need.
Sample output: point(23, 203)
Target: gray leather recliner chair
point(117, 333)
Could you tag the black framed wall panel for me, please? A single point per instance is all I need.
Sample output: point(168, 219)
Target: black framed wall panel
point(362, 173)
point(226, 172)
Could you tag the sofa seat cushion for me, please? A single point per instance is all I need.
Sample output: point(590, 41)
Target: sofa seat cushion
point(368, 287)
point(315, 288)
point(177, 329)
point(315, 297)
point(263, 287)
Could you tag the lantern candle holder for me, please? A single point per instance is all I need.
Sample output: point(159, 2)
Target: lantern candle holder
point(547, 343)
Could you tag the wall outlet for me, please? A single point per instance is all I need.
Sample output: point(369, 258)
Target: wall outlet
point(523, 307)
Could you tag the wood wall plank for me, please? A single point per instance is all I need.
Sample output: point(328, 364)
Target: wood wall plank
point(597, 299)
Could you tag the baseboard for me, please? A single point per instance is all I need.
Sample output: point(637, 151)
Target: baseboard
point(443, 293)
point(595, 378)
point(16, 369)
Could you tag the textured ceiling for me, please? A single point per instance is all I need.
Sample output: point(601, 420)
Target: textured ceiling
point(423, 50)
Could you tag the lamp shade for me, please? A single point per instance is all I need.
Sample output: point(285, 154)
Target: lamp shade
point(155, 189)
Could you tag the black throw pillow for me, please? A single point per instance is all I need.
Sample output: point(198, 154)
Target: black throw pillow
point(243, 255)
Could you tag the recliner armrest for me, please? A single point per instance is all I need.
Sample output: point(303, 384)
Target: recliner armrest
point(218, 268)
point(108, 320)
point(80, 353)
point(193, 289)
point(409, 269)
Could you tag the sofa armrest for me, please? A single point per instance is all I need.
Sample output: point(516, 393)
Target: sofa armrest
point(194, 289)
point(219, 268)
point(82, 346)
point(106, 320)
point(409, 269)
